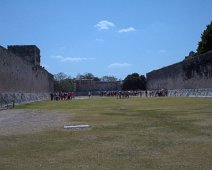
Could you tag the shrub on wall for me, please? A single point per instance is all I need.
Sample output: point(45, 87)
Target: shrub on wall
point(200, 65)
point(206, 40)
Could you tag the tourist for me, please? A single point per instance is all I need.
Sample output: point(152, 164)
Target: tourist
point(89, 94)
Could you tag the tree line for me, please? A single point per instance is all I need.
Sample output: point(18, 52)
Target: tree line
point(65, 83)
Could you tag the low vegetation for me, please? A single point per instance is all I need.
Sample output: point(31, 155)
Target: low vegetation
point(205, 44)
point(135, 133)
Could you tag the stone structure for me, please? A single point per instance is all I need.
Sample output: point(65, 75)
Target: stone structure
point(195, 72)
point(22, 79)
point(29, 53)
point(85, 85)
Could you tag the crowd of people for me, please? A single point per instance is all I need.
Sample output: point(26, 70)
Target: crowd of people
point(62, 95)
point(158, 93)
point(126, 94)
point(118, 94)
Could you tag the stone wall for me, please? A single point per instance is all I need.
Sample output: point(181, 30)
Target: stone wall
point(30, 53)
point(85, 85)
point(107, 86)
point(20, 76)
point(17, 98)
point(192, 73)
point(206, 92)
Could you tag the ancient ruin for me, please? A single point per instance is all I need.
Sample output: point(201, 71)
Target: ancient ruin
point(22, 78)
point(190, 77)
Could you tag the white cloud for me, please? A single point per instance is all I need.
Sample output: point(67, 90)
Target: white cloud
point(99, 40)
point(119, 65)
point(71, 59)
point(124, 30)
point(57, 57)
point(104, 25)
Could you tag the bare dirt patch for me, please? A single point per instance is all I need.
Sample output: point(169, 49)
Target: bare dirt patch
point(15, 122)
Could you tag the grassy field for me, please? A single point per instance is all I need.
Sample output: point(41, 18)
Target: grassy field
point(126, 134)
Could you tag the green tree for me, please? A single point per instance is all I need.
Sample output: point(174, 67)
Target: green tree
point(96, 79)
point(63, 83)
point(87, 76)
point(206, 40)
point(108, 78)
point(60, 76)
point(134, 82)
point(142, 82)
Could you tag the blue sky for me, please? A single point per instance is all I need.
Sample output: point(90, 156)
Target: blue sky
point(105, 37)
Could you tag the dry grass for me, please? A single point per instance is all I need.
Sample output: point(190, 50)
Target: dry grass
point(136, 133)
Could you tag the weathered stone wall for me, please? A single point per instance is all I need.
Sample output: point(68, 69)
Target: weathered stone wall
point(107, 86)
point(20, 76)
point(9, 98)
point(30, 53)
point(191, 73)
point(84, 85)
point(91, 85)
point(206, 92)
